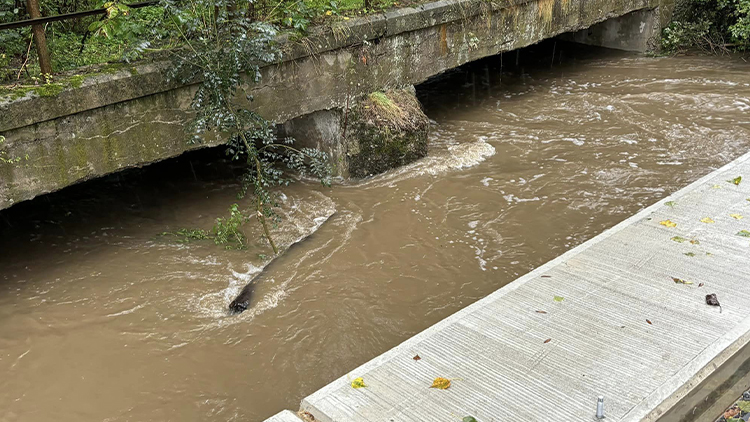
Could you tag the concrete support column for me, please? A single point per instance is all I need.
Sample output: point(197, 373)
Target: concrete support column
point(379, 132)
point(637, 31)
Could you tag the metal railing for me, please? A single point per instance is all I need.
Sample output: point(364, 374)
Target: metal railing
point(37, 24)
point(66, 16)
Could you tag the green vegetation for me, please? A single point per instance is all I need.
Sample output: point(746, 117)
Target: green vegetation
point(127, 34)
point(226, 232)
point(713, 26)
point(6, 158)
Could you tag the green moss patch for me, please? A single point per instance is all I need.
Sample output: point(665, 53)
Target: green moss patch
point(388, 130)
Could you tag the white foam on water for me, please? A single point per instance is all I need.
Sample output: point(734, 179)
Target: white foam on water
point(449, 156)
point(127, 311)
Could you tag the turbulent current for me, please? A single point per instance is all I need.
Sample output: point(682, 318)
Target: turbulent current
point(102, 318)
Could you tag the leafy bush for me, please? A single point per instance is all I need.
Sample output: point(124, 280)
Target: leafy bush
point(710, 25)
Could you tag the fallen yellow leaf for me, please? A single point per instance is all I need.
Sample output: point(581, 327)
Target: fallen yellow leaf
point(668, 223)
point(736, 216)
point(681, 281)
point(707, 220)
point(441, 383)
point(358, 383)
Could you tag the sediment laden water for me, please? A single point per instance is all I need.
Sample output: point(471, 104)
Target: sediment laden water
point(102, 319)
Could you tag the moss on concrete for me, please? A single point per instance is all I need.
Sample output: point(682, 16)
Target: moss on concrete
point(388, 130)
point(76, 81)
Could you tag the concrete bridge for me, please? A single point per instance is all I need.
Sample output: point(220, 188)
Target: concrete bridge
point(131, 116)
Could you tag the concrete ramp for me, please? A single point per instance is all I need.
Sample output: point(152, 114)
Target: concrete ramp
point(604, 319)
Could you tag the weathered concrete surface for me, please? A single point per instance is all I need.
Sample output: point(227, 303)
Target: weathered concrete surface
point(638, 31)
point(624, 329)
point(285, 416)
point(93, 130)
point(386, 130)
point(362, 141)
point(716, 393)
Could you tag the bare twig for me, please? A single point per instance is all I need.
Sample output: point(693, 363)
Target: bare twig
point(28, 52)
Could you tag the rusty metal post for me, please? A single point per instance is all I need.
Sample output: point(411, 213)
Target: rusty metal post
point(32, 6)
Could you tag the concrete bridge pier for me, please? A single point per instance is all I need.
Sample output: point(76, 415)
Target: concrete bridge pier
point(636, 31)
point(371, 134)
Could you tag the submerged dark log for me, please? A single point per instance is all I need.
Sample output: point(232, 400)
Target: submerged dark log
point(242, 301)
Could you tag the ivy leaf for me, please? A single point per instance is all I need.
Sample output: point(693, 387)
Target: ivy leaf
point(668, 223)
point(743, 233)
point(441, 383)
point(358, 383)
point(558, 298)
point(469, 419)
point(707, 220)
point(736, 181)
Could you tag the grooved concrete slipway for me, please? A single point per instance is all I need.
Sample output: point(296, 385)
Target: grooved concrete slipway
point(624, 329)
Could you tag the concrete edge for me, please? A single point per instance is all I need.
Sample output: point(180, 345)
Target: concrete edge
point(284, 416)
point(663, 393)
point(691, 376)
point(148, 78)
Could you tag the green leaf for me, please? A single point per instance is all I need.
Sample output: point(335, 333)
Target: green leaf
point(679, 239)
point(558, 298)
point(736, 181)
point(670, 204)
point(744, 405)
point(689, 254)
point(469, 419)
point(743, 233)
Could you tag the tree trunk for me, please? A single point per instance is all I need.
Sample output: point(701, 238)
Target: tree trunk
point(32, 6)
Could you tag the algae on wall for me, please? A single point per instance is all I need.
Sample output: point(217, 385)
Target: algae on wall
point(386, 130)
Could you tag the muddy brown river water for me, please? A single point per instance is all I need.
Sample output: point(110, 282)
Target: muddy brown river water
point(102, 319)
